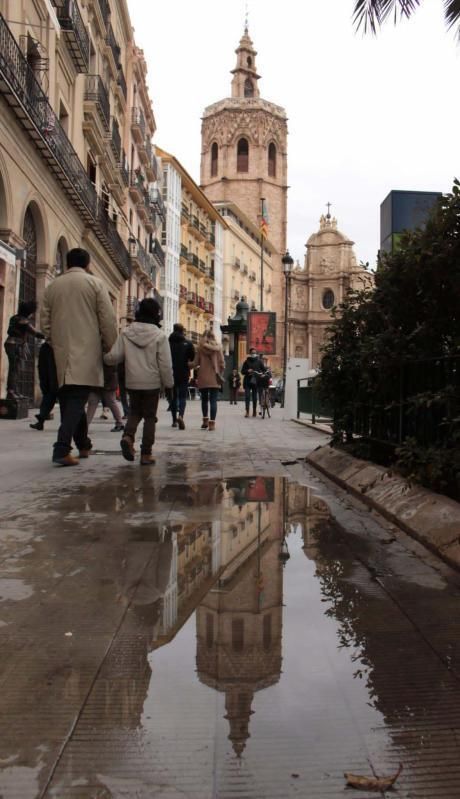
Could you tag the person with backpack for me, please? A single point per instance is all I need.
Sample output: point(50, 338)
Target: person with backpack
point(145, 351)
point(182, 355)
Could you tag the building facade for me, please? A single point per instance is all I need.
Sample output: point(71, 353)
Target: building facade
point(330, 270)
point(200, 275)
point(76, 160)
point(243, 262)
point(244, 160)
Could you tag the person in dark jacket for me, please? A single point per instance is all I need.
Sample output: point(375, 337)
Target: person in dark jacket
point(251, 370)
point(182, 354)
point(234, 383)
point(48, 385)
point(16, 348)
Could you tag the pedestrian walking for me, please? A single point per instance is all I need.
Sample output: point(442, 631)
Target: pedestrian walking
point(17, 349)
point(234, 383)
point(48, 385)
point(209, 362)
point(182, 355)
point(144, 349)
point(108, 397)
point(251, 369)
point(78, 321)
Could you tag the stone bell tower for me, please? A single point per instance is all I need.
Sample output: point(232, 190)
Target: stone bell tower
point(244, 158)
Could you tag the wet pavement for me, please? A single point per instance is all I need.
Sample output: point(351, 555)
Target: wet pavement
point(156, 640)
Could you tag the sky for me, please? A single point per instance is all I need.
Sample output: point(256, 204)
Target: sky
point(366, 114)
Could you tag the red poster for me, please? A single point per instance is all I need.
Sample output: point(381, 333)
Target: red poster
point(262, 332)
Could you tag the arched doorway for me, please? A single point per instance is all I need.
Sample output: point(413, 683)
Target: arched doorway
point(27, 293)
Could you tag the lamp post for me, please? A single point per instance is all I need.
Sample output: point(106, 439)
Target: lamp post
point(288, 263)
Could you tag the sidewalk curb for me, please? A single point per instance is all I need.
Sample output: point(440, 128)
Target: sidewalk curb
point(432, 519)
point(321, 428)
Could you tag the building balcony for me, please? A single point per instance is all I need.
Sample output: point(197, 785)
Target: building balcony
point(151, 167)
point(112, 51)
point(101, 10)
point(200, 303)
point(210, 241)
point(194, 227)
point(124, 169)
point(115, 141)
point(209, 274)
point(96, 113)
point(192, 298)
point(252, 276)
point(22, 92)
point(245, 269)
point(183, 254)
point(137, 125)
point(193, 264)
point(75, 33)
point(158, 253)
point(209, 308)
point(131, 306)
point(202, 266)
point(136, 186)
point(236, 263)
point(156, 201)
point(122, 87)
point(140, 258)
point(182, 295)
point(184, 214)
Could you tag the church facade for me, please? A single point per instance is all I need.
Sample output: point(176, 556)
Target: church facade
point(330, 270)
point(244, 161)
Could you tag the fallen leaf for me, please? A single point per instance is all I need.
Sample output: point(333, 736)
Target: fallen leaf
point(372, 783)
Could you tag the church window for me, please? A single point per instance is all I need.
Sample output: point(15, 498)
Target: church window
point(242, 160)
point(238, 635)
point(328, 299)
point(249, 61)
point(248, 88)
point(272, 160)
point(214, 159)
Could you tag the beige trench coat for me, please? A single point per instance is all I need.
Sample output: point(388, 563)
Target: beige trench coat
point(210, 360)
point(78, 320)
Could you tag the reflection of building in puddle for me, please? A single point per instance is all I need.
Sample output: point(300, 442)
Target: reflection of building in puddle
point(239, 622)
point(305, 512)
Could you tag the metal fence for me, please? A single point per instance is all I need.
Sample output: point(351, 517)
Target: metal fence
point(309, 402)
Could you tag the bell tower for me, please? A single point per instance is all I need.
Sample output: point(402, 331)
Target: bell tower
point(244, 158)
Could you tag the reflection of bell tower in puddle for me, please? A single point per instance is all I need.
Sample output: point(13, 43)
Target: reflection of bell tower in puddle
point(239, 623)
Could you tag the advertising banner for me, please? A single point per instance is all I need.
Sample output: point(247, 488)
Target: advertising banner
point(262, 332)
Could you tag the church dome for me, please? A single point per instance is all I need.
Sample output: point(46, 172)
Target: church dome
point(328, 234)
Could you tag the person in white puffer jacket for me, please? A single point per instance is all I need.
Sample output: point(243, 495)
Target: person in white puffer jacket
point(145, 351)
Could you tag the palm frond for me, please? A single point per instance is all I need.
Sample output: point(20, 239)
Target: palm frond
point(371, 14)
point(452, 14)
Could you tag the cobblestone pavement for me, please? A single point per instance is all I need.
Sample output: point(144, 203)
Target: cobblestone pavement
point(153, 644)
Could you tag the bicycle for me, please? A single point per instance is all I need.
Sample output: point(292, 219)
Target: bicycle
point(265, 403)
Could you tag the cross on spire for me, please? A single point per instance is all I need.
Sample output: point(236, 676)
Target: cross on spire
point(246, 18)
point(328, 210)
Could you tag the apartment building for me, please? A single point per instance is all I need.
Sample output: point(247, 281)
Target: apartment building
point(77, 166)
point(200, 229)
point(243, 258)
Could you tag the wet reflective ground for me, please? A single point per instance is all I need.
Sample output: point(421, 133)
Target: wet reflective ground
point(157, 641)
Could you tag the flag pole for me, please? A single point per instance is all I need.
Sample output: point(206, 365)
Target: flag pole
point(262, 200)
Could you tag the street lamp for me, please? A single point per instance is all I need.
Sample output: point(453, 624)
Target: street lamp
point(288, 263)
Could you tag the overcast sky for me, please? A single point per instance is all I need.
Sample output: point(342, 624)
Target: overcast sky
point(366, 115)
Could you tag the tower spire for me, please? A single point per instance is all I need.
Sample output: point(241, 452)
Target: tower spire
point(246, 19)
point(245, 77)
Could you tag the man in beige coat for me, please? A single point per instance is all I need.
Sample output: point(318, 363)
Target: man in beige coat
point(78, 320)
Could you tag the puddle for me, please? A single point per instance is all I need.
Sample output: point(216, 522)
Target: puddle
point(253, 654)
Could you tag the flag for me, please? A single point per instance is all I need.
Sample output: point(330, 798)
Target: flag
point(264, 221)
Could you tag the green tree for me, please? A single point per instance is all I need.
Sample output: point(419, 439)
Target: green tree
point(371, 14)
point(404, 326)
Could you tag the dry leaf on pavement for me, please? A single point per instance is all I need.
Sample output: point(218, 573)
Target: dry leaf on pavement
point(372, 783)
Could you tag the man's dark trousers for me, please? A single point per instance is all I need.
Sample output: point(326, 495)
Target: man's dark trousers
point(179, 400)
point(74, 425)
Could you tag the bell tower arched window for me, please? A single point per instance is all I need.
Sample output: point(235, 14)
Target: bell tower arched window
point(214, 159)
point(242, 156)
point(272, 160)
point(248, 88)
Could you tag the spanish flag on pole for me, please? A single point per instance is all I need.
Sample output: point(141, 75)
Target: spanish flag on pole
point(264, 220)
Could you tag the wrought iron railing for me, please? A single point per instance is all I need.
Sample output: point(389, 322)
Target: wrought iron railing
point(156, 201)
point(113, 44)
point(105, 9)
point(158, 252)
point(202, 265)
point(138, 120)
point(182, 292)
point(121, 81)
point(23, 92)
point(115, 140)
point(184, 211)
point(183, 251)
point(191, 297)
point(77, 35)
point(124, 168)
point(96, 92)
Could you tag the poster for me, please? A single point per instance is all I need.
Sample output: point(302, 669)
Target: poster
point(262, 332)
